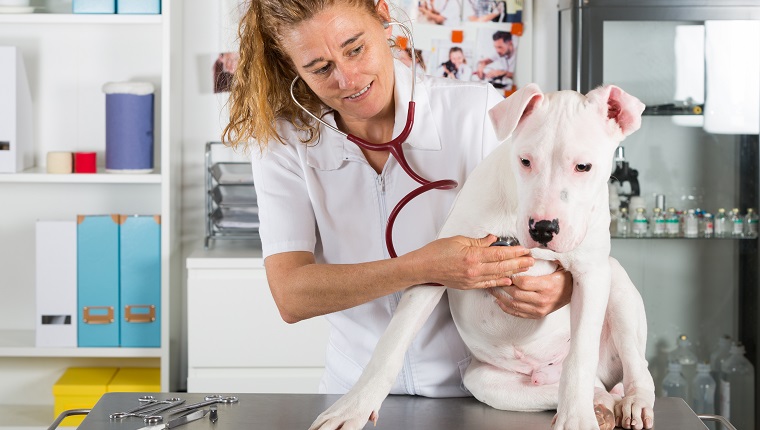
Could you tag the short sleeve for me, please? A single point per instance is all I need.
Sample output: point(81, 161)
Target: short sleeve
point(490, 141)
point(286, 216)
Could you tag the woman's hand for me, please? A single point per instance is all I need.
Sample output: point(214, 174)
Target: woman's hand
point(466, 263)
point(535, 296)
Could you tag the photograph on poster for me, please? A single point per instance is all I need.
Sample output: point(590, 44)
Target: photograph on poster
point(453, 60)
point(224, 69)
point(440, 12)
point(496, 58)
point(493, 10)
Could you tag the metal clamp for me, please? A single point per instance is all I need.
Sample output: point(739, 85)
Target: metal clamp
point(718, 418)
point(65, 414)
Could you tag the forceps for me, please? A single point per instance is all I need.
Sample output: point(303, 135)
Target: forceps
point(208, 400)
point(151, 407)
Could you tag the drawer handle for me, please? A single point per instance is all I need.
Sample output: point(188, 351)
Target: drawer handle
point(98, 316)
point(140, 313)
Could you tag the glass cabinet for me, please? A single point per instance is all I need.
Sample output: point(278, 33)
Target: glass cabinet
point(696, 66)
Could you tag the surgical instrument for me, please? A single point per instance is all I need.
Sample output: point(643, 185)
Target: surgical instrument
point(179, 421)
point(148, 413)
point(147, 402)
point(208, 400)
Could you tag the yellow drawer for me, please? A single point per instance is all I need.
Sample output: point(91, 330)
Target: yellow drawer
point(136, 379)
point(80, 388)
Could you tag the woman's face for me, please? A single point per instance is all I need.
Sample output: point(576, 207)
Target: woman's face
point(342, 55)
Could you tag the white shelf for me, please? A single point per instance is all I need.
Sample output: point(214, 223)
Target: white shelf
point(38, 175)
point(70, 18)
point(20, 343)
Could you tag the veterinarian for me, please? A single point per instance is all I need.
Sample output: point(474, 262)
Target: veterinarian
point(324, 202)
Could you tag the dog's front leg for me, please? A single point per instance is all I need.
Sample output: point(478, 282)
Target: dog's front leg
point(363, 401)
point(588, 304)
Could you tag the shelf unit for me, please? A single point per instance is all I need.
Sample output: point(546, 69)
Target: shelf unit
point(68, 58)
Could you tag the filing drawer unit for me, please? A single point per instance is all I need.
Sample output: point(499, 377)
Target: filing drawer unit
point(237, 341)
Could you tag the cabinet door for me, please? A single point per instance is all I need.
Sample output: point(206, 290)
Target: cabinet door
point(233, 322)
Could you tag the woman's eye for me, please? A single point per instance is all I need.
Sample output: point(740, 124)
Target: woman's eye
point(582, 167)
point(322, 70)
point(525, 162)
point(356, 51)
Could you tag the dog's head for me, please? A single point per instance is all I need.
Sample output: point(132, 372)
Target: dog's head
point(561, 149)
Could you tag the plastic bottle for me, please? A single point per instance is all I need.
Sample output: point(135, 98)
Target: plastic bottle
point(721, 223)
point(623, 226)
point(685, 356)
point(640, 223)
point(691, 224)
point(750, 223)
point(672, 223)
point(737, 389)
point(658, 221)
point(737, 223)
point(719, 354)
point(703, 390)
point(708, 225)
point(674, 384)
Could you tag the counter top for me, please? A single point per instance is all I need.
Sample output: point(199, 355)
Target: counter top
point(298, 411)
point(227, 255)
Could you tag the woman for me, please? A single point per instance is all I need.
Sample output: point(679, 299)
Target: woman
point(456, 67)
point(324, 202)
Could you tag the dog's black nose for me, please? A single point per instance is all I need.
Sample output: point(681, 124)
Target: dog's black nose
point(543, 231)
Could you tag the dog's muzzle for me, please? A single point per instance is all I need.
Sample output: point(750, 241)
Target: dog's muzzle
point(543, 231)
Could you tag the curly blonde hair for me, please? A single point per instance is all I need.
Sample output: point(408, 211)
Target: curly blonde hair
point(260, 93)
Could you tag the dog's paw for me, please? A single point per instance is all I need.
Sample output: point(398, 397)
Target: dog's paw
point(576, 421)
point(635, 410)
point(350, 412)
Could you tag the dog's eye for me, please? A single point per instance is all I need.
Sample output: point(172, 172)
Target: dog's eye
point(525, 162)
point(582, 167)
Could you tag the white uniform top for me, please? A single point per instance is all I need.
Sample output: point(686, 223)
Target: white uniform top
point(325, 198)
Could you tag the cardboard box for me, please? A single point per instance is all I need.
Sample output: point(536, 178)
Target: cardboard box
point(94, 6)
point(140, 285)
point(56, 283)
point(16, 140)
point(98, 307)
point(136, 379)
point(80, 388)
point(151, 7)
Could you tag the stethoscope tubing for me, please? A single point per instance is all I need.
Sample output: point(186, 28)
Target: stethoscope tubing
point(394, 147)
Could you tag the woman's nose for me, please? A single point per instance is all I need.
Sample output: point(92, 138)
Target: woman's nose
point(345, 77)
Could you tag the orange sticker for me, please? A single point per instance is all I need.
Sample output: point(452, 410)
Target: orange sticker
point(517, 29)
point(457, 36)
point(401, 41)
point(509, 92)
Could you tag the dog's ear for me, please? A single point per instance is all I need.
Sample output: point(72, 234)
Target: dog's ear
point(509, 112)
point(621, 109)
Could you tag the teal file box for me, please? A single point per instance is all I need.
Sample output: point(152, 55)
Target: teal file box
point(148, 7)
point(140, 257)
point(94, 6)
point(98, 280)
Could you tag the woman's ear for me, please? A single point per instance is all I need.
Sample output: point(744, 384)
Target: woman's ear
point(384, 11)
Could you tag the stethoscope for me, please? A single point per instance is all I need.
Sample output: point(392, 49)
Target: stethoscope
point(394, 147)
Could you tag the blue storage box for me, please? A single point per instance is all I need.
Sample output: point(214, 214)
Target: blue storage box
point(138, 6)
point(129, 127)
point(94, 6)
point(140, 256)
point(98, 280)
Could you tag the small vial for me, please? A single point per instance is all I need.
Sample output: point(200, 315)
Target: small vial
point(737, 223)
point(640, 223)
point(672, 223)
point(658, 219)
point(721, 223)
point(750, 223)
point(622, 223)
point(708, 225)
point(691, 224)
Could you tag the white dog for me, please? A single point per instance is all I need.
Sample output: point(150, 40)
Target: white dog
point(546, 185)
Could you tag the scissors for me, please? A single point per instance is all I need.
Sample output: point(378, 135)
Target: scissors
point(394, 147)
point(208, 400)
point(151, 407)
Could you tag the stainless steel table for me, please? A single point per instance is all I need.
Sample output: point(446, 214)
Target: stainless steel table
point(297, 411)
